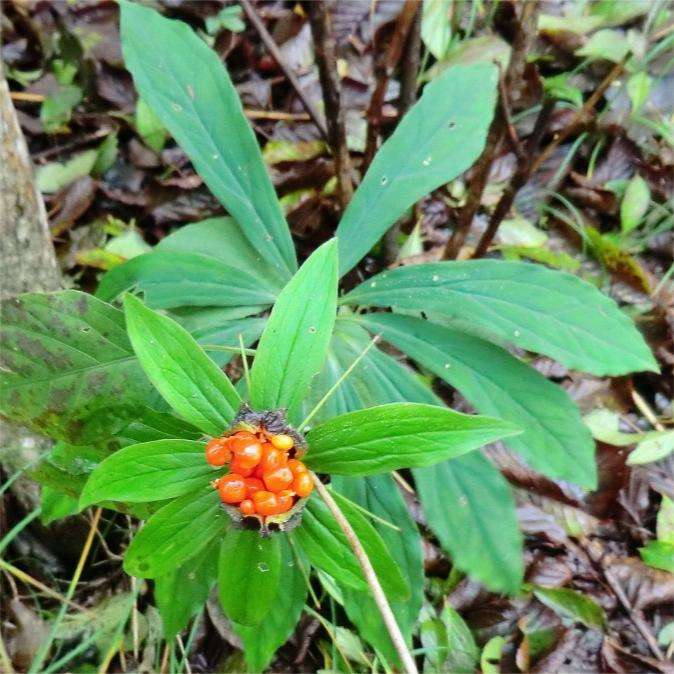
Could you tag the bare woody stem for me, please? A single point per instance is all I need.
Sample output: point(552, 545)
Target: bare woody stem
point(380, 599)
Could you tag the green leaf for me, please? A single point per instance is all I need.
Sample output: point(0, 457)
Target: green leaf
point(175, 533)
point(490, 659)
point(398, 435)
point(67, 369)
point(248, 575)
point(450, 644)
point(172, 279)
point(261, 641)
point(328, 549)
point(152, 425)
point(554, 441)
point(652, 449)
point(181, 594)
point(187, 379)
point(55, 505)
point(634, 204)
point(190, 91)
point(295, 341)
point(149, 126)
point(665, 521)
point(380, 496)
point(525, 304)
point(607, 45)
point(659, 555)
point(437, 140)
point(150, 471)
point(54, 176)
point(222, 239)
point(638, 89)
point(470, 508)
point(571, 604)
point(436, 31)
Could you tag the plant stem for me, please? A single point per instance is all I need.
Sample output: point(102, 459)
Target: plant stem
point(380, 599)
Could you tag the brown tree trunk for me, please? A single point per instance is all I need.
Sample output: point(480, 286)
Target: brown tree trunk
point(27, 263)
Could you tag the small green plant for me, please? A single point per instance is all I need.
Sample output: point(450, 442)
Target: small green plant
point(78, 369)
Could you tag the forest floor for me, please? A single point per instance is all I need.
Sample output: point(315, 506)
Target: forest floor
point(596, 198)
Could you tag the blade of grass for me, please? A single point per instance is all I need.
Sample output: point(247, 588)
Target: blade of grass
point(42, 653)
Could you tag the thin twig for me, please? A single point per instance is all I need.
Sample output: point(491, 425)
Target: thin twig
point(29, 580)
point(325, 49)
point(276, 54)
point(277, 115)
point(526, 33)
point(380, 599)
point(580, 116)
point(385, 70)
point(337, 384)
point(410, 68)
point(519, 179)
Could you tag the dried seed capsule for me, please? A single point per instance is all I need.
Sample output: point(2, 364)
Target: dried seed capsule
point(247, 507)
point(232, 488)
point(282, 441)
point(278, 479)
point(218, 452)
point(303, 485)
point(265, 502)
point(272, 458)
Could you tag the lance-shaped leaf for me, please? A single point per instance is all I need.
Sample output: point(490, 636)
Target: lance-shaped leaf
point(188, 88)
point(150, 471)
point(261, 641)
point(327, 547)
point(398, 435)
point(248, 560)
point(186, 377)
point(175, 533)
point(174, 279)
point(554, 441)
point(181, 593)
point(470, 508)
point(535, 308)
point(437, 140)
point(67, 368)
point(294, 344)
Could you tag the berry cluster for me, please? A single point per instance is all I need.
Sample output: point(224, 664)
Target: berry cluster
point(263, 479)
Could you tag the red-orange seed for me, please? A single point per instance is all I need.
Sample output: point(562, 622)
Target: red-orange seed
point(247, 507)
point(232, 488)
point(303, 485)
point(218, 452)
point(265, 502)
point(278, 479)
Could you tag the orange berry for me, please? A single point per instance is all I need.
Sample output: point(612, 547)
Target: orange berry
point(297, 467)
point(265, 502)
point(247, 507)
point(303, 485)
point(285, 500)
point(278, 479)
point(253, 484)
point(218, 452)
point(246, 449)
point(259, 471)
point(272, 458)
point(240, 469)
point(232, 488)
point(282, 441)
